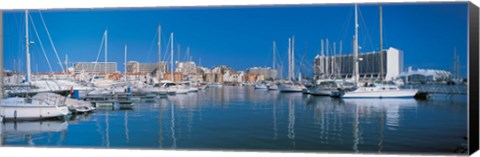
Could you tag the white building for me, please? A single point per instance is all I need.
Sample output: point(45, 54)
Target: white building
point(186, 68)
point(425, 76)
point(234, 77)
point(134, 66)
point(341, 66)
point(95, 67)
point(267, 72)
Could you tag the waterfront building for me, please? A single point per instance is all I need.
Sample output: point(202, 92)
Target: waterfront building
point(202, 70)
point(252, 78)
point(95, 67)
point(425, 76)
point(214, 77)
point(341, 66)
point(138, 76)
point(186, 68)
point(221, 69)
point(195, 77)
point(134, 66)
point(234, 77)
point(266, 72)
point(177, 77)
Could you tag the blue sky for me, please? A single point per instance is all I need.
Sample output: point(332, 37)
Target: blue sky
point(241, 37)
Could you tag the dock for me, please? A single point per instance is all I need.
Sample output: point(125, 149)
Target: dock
point(425, 90)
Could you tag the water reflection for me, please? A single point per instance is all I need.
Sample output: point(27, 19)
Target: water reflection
point(243, 119)
point(107, 132)
point(391, 108)
point(1, 135)
point(291, 122)
point(30, 131)
point(126, 127)
point(172, 127)
point(385, 108)
point(274, 114)
point(34, 127)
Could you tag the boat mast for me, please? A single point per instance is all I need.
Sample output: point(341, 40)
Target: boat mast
point(171, 53)
point(188, 54)
point(273, 61)
point(2, 92)
point(341, 60)
point(289, 59)
point(125, 63)
point(159, 53)
point(322, 59)
point(355, 48)
point(327, 60)
point(66, 63)
point(334, 61)
point(381, 43)
point(106, 51)
point(293, 56)
point(27, 47)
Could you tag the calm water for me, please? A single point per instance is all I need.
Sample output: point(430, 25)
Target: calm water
point(241, 118)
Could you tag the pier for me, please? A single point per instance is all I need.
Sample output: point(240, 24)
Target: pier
point(424, 90)
point(124, 99)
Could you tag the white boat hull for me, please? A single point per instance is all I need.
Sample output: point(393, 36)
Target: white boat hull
point(193, 89)
point(380, 94)
point(274, 87)
point(290, 88)
point(260, 87)
point(32, 112)
point(321, 92)
point(181, 91)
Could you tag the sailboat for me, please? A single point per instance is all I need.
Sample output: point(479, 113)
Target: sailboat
point(289, 85)
point(16, 108)
point(372, 90)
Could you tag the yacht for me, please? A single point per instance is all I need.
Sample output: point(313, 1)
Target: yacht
point(179, 88)
point(260, 86)
point(32, 108)
point(372, 90)
point(48, 105)
point(377, 90)
point(79, 106)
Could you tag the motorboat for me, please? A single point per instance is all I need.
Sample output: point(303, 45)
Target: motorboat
point(171, 87)
point(377, 90)
point(41, 106)
point(79, 106)
point(260, 86)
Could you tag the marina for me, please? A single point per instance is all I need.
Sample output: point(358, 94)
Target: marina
point(360, 100)
point(242, 118)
